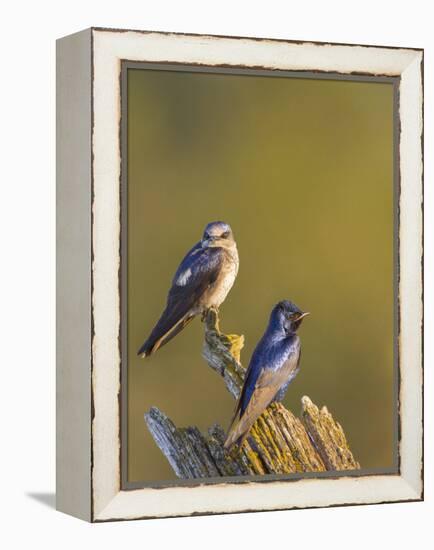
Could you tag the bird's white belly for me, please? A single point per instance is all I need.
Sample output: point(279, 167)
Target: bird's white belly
point(217, 293)
point(222, 287)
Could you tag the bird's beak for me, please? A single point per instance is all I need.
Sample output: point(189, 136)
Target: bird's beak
point(305, 314)
point(207, 242)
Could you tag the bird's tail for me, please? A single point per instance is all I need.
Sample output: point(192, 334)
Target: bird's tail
point(161, 334)
point(238, 430)
point(236, 435)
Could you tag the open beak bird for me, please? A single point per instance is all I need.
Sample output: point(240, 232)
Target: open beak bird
point(274, 364)
point(202, 281)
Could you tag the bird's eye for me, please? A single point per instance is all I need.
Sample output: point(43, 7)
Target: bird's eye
point(226, 234)
point(206, 236)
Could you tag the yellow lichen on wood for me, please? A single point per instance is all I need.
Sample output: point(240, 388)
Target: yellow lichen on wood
point(328, 437)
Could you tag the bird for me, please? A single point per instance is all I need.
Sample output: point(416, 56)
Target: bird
point(273, 365)
point(202, 281)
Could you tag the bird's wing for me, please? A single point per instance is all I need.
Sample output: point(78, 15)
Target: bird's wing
point(259, 389)
point(197, 271)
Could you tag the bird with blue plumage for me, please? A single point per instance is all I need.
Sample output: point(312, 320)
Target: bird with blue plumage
point(202, 281)
point(274, 364)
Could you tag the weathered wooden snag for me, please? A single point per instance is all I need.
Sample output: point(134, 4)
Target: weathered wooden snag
point(279, 443)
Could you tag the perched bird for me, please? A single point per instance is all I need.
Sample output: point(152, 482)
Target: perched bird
point(202, 281)
point(274, 364)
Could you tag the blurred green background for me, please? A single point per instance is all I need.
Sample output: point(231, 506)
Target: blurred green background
point(302, 169)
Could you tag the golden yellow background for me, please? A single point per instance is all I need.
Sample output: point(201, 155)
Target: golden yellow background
point(302, 169)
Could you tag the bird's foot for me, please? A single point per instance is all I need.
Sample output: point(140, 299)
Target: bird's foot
point(214, 310)
point(211, 316)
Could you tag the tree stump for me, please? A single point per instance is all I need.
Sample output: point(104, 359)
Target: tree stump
point(278, 443)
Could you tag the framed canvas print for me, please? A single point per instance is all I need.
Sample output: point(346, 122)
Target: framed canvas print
point(239, 274)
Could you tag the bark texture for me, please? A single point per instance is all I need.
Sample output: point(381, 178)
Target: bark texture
point(278, 443)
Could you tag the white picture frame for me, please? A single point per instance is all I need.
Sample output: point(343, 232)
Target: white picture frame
point(88, 263)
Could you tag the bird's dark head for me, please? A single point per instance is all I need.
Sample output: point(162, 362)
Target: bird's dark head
point(218, 234)
point(287, 316)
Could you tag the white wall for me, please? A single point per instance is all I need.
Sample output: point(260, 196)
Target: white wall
point(27, 118)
